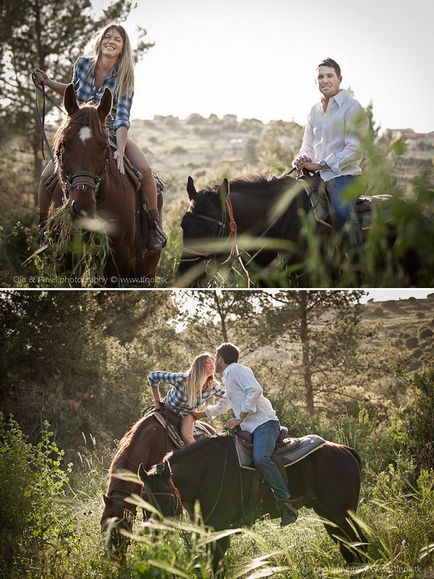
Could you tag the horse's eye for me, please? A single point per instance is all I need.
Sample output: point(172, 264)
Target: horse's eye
point(65, 146)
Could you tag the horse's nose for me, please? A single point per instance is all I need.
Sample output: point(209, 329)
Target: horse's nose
point(80, 211)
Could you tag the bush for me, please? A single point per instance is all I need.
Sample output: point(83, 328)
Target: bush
point(31, 481)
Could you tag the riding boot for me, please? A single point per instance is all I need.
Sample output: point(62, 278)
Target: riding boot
point(288, 513)
point(157, 239)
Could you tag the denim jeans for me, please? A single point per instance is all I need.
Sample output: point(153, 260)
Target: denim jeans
point(346, 221)
point(264, 442)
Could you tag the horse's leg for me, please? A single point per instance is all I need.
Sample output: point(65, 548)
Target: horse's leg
point(218, 550)
point(345, 532)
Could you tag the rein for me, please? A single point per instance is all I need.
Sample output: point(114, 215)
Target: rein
point(41, 115)
point(222, 226)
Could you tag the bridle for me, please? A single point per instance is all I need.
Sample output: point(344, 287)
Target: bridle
point(225, 227)
point(222, 229)
point(80, 180)
point(174, 494)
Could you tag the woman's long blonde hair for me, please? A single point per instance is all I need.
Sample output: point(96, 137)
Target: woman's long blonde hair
point(197, 378)
point(125, 63)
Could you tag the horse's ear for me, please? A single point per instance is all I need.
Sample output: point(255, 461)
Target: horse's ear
point(70, 100)
point(191, 189)
point(105, 104)
point(160, 467)
point(224, 191)
point(142, 473)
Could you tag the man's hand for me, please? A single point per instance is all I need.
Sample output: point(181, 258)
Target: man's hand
point(298, 162)
point(309, 166)
point(232, 423)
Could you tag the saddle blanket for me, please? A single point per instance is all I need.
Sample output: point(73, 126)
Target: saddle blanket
point(287, 456)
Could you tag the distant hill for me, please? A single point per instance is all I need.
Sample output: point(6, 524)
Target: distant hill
point(407, 325)
point(200, 146)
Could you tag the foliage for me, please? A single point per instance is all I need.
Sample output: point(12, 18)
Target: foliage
point(31, 481)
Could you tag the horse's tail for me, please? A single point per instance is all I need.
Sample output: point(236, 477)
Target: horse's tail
point(355, 454)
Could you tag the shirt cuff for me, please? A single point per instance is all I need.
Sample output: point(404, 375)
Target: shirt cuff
point(332, 162)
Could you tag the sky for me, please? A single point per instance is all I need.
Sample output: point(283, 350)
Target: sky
point(257, 58)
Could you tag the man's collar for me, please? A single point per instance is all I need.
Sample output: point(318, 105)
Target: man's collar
point(225, 371)
point(340, 97)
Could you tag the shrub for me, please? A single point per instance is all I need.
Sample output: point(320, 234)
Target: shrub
point(31, 481)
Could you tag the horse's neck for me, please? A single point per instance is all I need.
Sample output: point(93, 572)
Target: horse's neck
point(248, 210)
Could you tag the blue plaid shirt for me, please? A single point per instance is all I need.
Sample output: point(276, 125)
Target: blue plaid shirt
point(83, 78)
point(176, 398)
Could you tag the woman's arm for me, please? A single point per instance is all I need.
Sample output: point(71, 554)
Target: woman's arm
point(41, 77)
point(121, 141)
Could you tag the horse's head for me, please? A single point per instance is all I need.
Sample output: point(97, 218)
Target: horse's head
point(159, 490)
point(204, 220)
point(82, 150)
point(117, 515)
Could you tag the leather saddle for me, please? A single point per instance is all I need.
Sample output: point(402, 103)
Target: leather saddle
point(246, 439)
point(172, 424)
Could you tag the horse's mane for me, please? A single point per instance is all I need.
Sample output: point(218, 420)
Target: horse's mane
point(85, 115)
point(261, 184)
point(217, 440)
point(120, 459)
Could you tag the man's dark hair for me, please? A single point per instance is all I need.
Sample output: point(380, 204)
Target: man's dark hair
point(332, 63)
point(228, 352)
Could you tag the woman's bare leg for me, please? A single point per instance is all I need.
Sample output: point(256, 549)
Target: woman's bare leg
point(148, 191)
point(187, 429)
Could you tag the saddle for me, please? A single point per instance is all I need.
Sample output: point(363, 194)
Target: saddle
point(365, 206)
point(288, 450)
point(133, 174)
point(172, 423)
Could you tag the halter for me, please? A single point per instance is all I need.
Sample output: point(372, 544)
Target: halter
point(174, 494)
point(81, 179)
point(222, 228)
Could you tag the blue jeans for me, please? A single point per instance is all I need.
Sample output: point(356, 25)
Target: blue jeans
point(346, 221)
point(264, 442)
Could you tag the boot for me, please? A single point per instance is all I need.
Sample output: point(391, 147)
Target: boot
point(157, 239)
point(288, 513)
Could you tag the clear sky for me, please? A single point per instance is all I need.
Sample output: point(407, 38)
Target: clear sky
point(257, 58)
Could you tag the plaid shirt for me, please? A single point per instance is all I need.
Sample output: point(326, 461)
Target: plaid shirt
point(83, 79)
point(176, 398)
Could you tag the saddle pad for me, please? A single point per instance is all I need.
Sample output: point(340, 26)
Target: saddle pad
point(308, 444)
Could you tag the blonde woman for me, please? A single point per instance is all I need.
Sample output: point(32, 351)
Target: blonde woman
point(111, 66)
point(189, 390)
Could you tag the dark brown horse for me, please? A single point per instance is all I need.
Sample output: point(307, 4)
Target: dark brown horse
point(327, 481)
point(144, 445)
point(93, 186)
point(268, 210)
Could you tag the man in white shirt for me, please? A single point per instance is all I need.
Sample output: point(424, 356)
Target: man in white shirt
point(254, 413)
point(331, 146)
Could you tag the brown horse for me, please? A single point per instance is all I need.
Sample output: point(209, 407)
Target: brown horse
point(144, 445)
point(93, 186)
point(328, 481)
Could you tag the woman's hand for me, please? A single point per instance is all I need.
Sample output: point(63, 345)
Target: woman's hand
point(232, 423)
point(40, 76)
point(198, 415)
point(119, 158)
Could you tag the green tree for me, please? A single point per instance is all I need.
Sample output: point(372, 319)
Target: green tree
point(49, 35)
point(324, 325)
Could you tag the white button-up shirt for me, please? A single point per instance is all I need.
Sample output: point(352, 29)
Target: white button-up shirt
point(333, 136)
point(243, 394)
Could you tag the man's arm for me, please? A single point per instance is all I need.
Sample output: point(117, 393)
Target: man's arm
point(306, 151)
point(356, 127)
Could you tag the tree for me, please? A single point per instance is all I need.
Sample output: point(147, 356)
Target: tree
point(49, 35)
point(219, 316)
point(325, 326)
